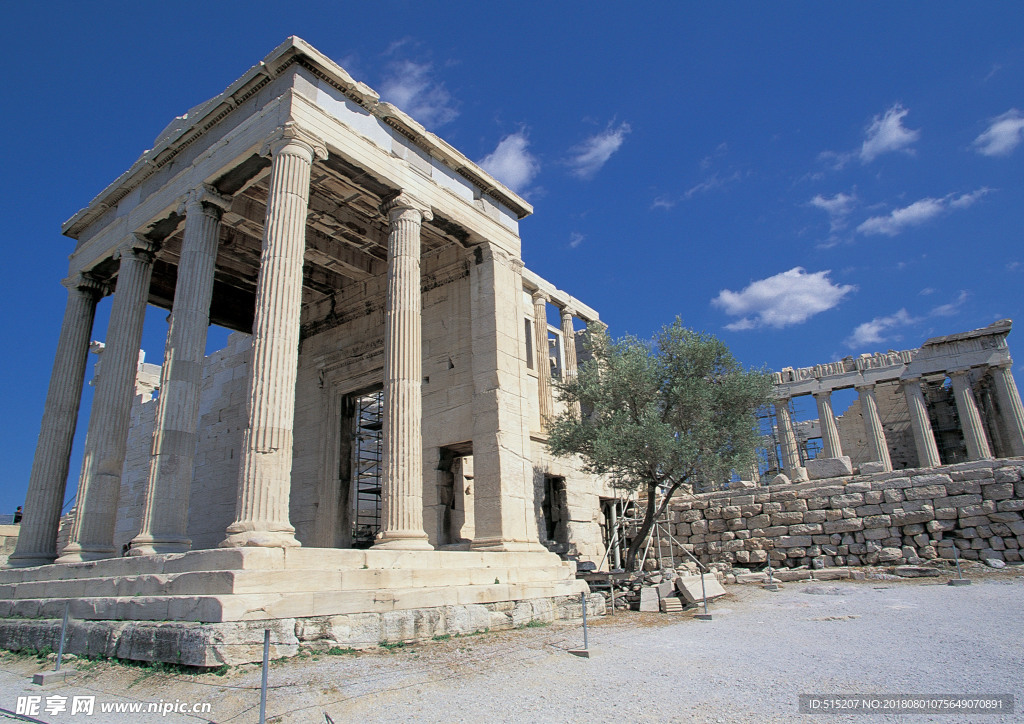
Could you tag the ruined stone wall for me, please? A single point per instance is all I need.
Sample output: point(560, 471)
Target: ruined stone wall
point(884, 518)
point(8, 541)
point(895, 417)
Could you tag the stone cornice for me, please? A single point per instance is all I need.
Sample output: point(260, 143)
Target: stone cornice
point(186, 130)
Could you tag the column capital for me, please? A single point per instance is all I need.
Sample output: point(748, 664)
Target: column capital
point(291, 134)
point(825, 394)
point(86, 282)
point(139, 246)
point(568, 311)
point(782, 401)
point(204, 199)
point(1006, 364)
point(405, 202)
point(539, 296)
point(865, 386)
point(961, 372)
point(911, 380)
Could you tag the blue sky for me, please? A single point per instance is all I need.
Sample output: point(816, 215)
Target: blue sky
point(806, 180)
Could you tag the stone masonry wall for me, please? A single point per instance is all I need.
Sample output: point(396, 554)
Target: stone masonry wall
point(886, 518)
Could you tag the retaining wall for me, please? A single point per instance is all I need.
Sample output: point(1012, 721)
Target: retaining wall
point(885, 518)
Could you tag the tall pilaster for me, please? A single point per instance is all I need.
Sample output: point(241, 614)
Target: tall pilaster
point(970, 420)
point(542, 357)
point(787, 442)
point(831, 447)
point(37, 539)
point(99, 486)
point(265, 464)
point(1010, 408)
point(878, 449)
point(402, 468)
point(165, 511)
point(924, 437)
point(504, 513)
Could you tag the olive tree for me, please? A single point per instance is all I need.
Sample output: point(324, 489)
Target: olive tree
point(660, 415)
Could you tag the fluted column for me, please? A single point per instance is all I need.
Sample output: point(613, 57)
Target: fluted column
point(402, 464)
point(165, 511)
point(37, 539)
point(877, 446)
point(99, 486)
point(924, 437)
point(1010, 408)
point(787, 441)
point(542, 355)
point(569, 347)
point(831, 447)
point(970, 420)
point(265, 464)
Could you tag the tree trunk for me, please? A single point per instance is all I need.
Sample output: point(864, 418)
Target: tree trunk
point(645, 528)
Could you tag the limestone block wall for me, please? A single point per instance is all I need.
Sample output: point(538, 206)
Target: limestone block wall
point(886, 518)
point(8, 540)
point(222, 417)
point(135, 472)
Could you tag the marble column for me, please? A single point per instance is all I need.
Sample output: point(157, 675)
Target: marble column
point(924, 437)
point(165, 511)
point(542, 357)
point(265, 464)
point(37, 539)
point(970, 420)
point(569, 347)
point(1010, 408)
point(878, 448)
point(831, 447)
point(99, 486)
point(402, 464)
point(787, 442)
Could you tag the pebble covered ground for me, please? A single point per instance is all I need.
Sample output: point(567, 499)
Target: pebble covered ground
point(749, 664)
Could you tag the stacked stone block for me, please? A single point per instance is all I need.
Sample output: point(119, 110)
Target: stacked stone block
point(908, 516)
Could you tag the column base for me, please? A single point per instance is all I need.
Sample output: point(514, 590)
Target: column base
point(797, 475)
point(150, 546)
point(511, 546)
point(260, 538)
point(77, 554)
point(402, 541)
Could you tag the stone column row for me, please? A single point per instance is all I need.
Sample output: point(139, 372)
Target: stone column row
point(787, 441)
point(542, 352)
point(99, 487)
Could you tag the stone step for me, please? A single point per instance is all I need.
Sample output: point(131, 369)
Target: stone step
point(259, 606)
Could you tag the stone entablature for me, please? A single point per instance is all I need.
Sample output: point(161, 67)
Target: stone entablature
point(984, 347)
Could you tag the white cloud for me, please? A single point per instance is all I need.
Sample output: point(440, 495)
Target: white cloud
point(1003, 134)
point(575, 239)
point(588, 157)
point(918, 213)
point(948, 310)
point(887, 133)
point(511, 162)
point(788, 298)
point(712, 183)
point(409, 86)
point(838, 208)
point(877, 330)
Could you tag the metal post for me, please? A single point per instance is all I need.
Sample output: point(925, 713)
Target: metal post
point(611, 587)
point(704, 593)
point(959, 580)
point(63, 628)
point(583, 599)
point(263, 685)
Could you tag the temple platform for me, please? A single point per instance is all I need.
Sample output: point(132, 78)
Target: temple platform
point(208, 607)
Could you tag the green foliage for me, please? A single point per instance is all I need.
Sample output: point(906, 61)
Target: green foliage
point(536, 623)
point(392, 645)
point(339, 651)
point(673, 413)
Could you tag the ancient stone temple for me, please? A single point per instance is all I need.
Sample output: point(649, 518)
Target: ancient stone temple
point(952, 400)
point(370, 445)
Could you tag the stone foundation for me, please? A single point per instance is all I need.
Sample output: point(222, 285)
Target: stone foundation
point(239, 642)
point(204, 608)
point(883, 518)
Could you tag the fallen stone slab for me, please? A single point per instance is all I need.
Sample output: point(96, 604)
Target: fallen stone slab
point(649, 599)
point(691, 590)
point(785, 575)
point(915, 571)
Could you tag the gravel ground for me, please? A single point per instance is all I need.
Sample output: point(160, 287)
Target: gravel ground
point(747, 665)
